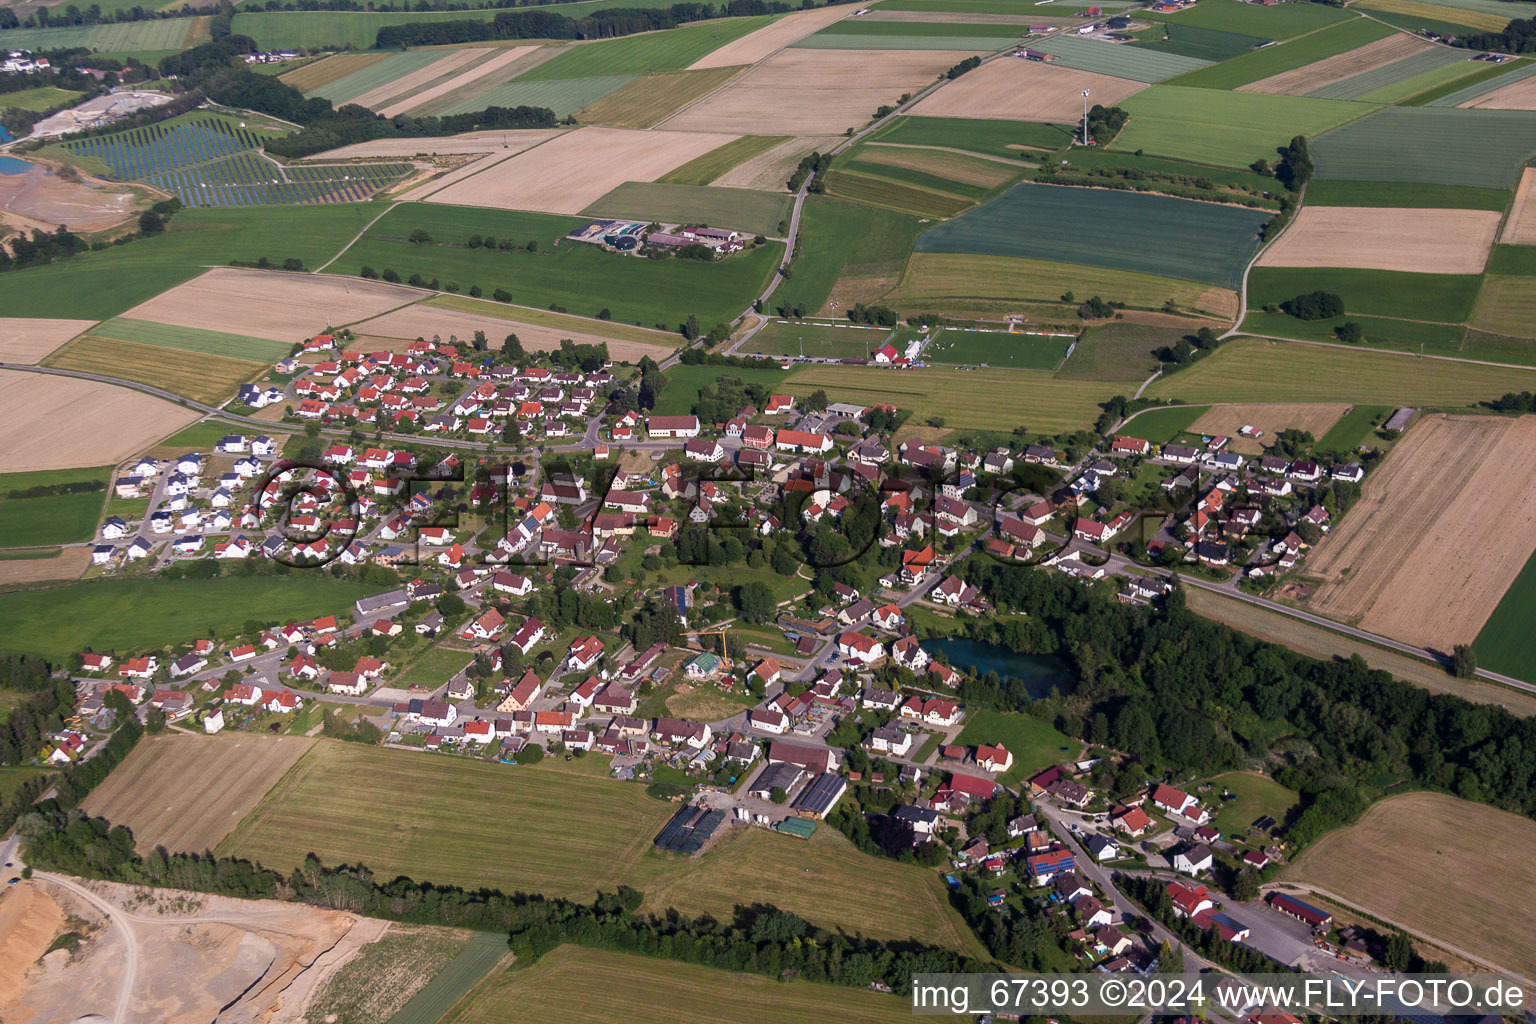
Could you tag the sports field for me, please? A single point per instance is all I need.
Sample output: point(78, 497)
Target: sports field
point(1228, 129)
point(203, 378)
point(816, 340)
point(53, 518)
point(218, 780)
point(1486, 148)
point(591, 986)
point(996, 348)
point(1382, 863)
point(652, 98)
point(1120, 230)
point(566, 831)
point(756, 213)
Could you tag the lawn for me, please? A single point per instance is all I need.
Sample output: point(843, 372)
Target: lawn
point(704, 169)
point(839, 239)
point(203, 378)
point(42, 98)
point(590, 986)
point(815, 340)
point(1352, 428)
point(1248, 370)
point(1256, 796)
point(1506, 643)
point(101, 285)
point(52, 519)
point(434, 668)
point(652, 98)
point(133, 614)
point(684, 382)
point(1443, 298)
point(1405, 195)
point(979, 135)
point(997, 348)
point(995, 399)
point(668, 50)
point(1033, 742)
point(191, 339)
point(1272, 60)
point(1163, 425)
point(962, 283)
point(582, 278)
point(756, 213)
point(1120, 230)
point(1228, 129)
point(1485, 148)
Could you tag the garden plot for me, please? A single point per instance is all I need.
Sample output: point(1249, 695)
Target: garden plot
point(771, 38)
point(275, 305)
point(1134, 62)
point(569, 173)
point(1024, 90)
point(1319, 74)
point(25, 340)
point(49, 422)
point(1382, 238)
point(428, 321)
point(1441, 530)
point(465, 80)
point(812, 92)
point(1520, 229)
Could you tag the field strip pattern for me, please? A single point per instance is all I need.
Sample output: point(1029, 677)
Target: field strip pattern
point(465, 79)
point(1136, 63)
point(1339, 67)
point(1520, 72)
point(1361, 85)
point(463, 973)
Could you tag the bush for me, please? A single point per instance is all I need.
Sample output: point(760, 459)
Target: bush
point(1349, 331)
point(390, 276)
point(368, 272)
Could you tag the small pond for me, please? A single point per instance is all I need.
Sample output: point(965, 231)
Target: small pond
point(11, 165)
point(1040, 672)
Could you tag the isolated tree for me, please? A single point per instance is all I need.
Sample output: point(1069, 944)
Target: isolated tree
point(1463, 661)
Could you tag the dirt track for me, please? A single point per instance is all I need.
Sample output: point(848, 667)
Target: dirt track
point(1337, 68)
point(1442, 529)
point(1024, 90)
point(1382, 238)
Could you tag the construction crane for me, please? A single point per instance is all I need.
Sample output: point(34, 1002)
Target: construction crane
point(725, 658)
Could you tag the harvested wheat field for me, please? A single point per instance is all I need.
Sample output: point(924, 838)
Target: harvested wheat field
point(218, 781)
point(1519, 95)
point(769, 170)
point(1383, 238)
point(1520, 228)
point(26, 341)
point(68, 564)
point(1024, 90)
point(49, 422)
point(1468, 850)
point(773, 37)
point(376, 99)
point(275, 305)
point(1439, 533)
point(813, 92)
point(463, 80)
point(504, 142)
point(570, 173)
point(1313, 417)
point(425, 321)
point(1329, 70)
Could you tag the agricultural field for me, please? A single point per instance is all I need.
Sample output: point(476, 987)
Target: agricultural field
point(974, 284)
point(485, 69)
point(1506, 305)
point(1400, 78)
point(848, 253)
point(865, 34)
point(1280, 22)
point(1519, 94)
point(671, 50)
point(1254, 796)
point(71, 423)
point(1163, 425)
point(564, 832)
point(705, 169)
point(387, 973)
point(996, 348)
point(337, 30)
point(1023, 90)
point(1311, 47)
point(1319, 77)
point(1476, 84)
point(311, 78)
point(1442, 298)
point(756, 213)
point(1194, 41)
point(1416, 241)
point(1139, 64)
point(564, 96)
point(1396, 565)
point(110, 615)
point(498, 320)
point(764, 42)
point(566, 324)
point(1227, 129)
point(1406, 195)
point(484, 952)
point(1118, 230)
point(345, 77)
point(1033, 742)
point(39, 99)
point(1315, 418)
point(1011, 139)
point(964, 399)
point(1520, 227)
point(683, 386)
point(128, 37)
point(1381, 863)
point(1413, 15)
point(1119, 351)
point(1436, 145)
point(219, 779)
point(1249, 370)
point(590, 986)
point(816, 340)
point(192, 339)
point(24, 340)
point(924, 183)
point(1505, 643)
point(53, 518)
point(651, 99)
point(1423, 86)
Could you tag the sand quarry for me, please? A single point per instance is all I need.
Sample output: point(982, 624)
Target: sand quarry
point(569, 173)
point(51, 422)
point(1337, 68)
point(1383, 238)
point(428, 321)
point(199, 958)
point(275, 305)
point(24, 340)
point(1024, 90)
point(770, 39)
point(1441, 530)
point(40, 198)
point(1225, 420)
point(813, 92)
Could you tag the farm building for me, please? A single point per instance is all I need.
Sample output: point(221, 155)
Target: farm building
point(1301, 911)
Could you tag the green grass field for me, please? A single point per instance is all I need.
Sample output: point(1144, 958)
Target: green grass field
point(1507, 305)
point(1208, 44)
point(996, 348)
point(191, 339)
point(1248, 370)
point(1255, 796)
point(54, 519)
point(1162, 425)
point(559, 321)
point(1279, 22)
point(1389, 77)
point(837, 239)
point(1485, 148)
point(582, 278)
point(1139, 64)
point(590, 986)
point(669, 50)
point(855, 184)
point(1484, 80)
point(815, 340)
point(1405, 195)
point(652, 98)
point(1352, 428)
point(1313, 46)
point(204, 378)
point(1425, 84)
point(115, 37)
point(131, 614)
point(1119, 351)
point(704, 169)
point(1444, 298)
point(1379, 332)
point(1120, 230)
point(1013, 7)
point(684, 382)
point(1506, 643)
point(756, 213)
point(41, 98)
point(564, 96)
point(1228, 129)
point(1517, 260)
point(1033, 742)
point(370, 74)
point(434, 668)
point(979, 135)
point(906, 35)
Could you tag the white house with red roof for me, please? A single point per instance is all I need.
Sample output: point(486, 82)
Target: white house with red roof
point(995, 758)
point(284, 702)
point(1188, 900)
point(248, 694)
point(527, 635)
point(859, 647)
point(1177, 802)
point(585, 652)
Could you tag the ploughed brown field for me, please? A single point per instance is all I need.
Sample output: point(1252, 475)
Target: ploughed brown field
point(1383, 238)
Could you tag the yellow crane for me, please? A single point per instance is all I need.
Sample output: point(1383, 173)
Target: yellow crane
point(725, 658)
